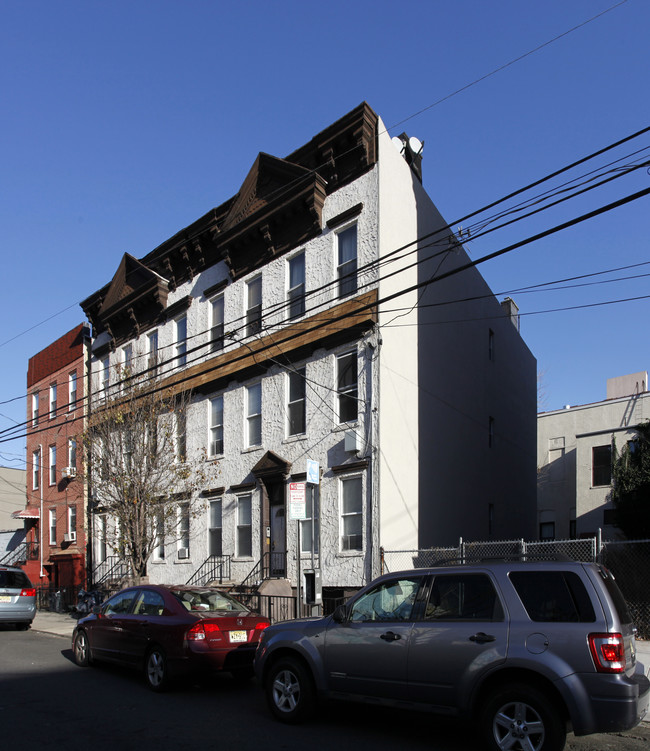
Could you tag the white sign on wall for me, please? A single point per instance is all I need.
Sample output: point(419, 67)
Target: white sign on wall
point(297, 501)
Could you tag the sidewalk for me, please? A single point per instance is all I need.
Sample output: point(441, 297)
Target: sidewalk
point(58, 624)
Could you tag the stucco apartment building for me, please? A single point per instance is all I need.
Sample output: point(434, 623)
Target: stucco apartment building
point(574, 459)
point(55, 512)
point(12, 500)
point(307, 315)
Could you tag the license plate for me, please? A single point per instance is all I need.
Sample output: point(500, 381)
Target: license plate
point(238, 636)
point(5, 598)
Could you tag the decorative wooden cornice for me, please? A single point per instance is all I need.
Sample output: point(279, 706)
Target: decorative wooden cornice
point(270, 465)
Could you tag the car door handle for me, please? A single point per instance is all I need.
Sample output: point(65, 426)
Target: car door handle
point(482, 638)
point(390, 636)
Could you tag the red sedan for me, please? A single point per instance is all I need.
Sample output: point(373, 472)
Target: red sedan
point(170, 631)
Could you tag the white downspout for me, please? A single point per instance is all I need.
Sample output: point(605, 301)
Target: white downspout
point(41, 479)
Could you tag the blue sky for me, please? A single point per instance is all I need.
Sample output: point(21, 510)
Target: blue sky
point(125, 121)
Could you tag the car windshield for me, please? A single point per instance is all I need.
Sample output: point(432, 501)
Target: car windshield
point(207, 600)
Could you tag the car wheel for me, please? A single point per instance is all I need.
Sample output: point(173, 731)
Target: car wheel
point(519, 717)
point(156, 670)
point(81, 649)
point(290, 691)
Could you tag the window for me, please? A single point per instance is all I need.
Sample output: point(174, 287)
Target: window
point(296, 295)
point(215, 533)
point(553, 596)
point(72, 521)
point(52, 401)
point(72, 452)
point(52, 465)
point(216, 426)
point(127, 360)
point(254, 414)
point(52, 520)
point(152, 347)
point(104, 375)
point(181, 436)
point(347, 386)
point(254, 306)
point(296, 407)
point(149, 603)
point(351, 514)
point(216, 331)
point(547, 531)
point(159, 531)
point(347, 261)
point(463, 597)
point(306, 541)
point(100, 545)
point(120, 603)
point(244, 526)
point(72, 391)
point(184, 530)
point(181, 340)
point(36, 470)
point(35, 401)
point(389, 601)
point(601, 465)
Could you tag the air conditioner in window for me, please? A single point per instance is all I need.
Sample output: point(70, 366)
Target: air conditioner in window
point(183, 553)
point(69, 537)
point(69, 472)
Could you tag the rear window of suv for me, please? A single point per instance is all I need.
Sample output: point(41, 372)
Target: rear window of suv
point(553, 596)
point(14, 580)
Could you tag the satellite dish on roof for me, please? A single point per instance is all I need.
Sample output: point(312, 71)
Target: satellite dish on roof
point(398, 143)
point(416, 145)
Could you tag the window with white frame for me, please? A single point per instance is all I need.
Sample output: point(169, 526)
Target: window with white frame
point(159, 531)
point(346, 270)
point(72, 452)
point(296, 292)
point(297, 401)
point(181, 340)
point(52, 527)
point(52, 401)
point(72, 522)
point(101, 551)
point(215, 438)
point(181, 436)
point(216, 327)
point(244, 526)
point(351, 500)
point(104, 376)
point(35, 401)
point(152, 351)
point(184, 530)
point(347, 386)
point(254, 414)
point(215, 542)
point(254, 306)
point(72, 390)
point(127, 360)
point(309, 533)
point(52, 465)
point(36, 470)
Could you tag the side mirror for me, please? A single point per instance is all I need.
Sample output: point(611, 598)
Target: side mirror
point(340, 614)
point(96, 609)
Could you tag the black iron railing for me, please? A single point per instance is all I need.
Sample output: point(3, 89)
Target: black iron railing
point(214, 568)
point(113, 568)
point(270, 565)
point(26, 551)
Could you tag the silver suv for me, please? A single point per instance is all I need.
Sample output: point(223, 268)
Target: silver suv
point(17, 597)
point(524, 650)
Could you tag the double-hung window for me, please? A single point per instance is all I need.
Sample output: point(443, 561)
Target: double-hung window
point(181, 340)
point(216, 329)
point(347, 261)
point(296, 406)
point(351, 513)
point(152, 354)
point(52, 401)
point(159, 531)
point(72, 522)
point(52, 465)
point(52, 519)
point(72, 390)
point(244, 526)
point(104, 376)
point(72, 452)
point(35, 400)
point(181, 436)
point(309, 527)
point(254, 306)
point(347, 386)
point(36, 470)
point(296, 294)
point(216, 426)
point(215, 539)
point(254, 414)
point(184, 530)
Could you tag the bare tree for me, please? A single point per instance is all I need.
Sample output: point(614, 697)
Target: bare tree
point(135, 451)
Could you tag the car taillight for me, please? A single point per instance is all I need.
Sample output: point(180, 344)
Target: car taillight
point(200, 631)
point(261, 626)
point(28, 593)
point(608, 652)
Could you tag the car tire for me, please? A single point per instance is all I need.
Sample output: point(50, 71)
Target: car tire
point(24, 626)
point(522, 716)
point(156, 670)
point(290, 691)
point(81, 649)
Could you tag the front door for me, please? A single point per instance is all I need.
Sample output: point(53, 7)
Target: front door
point(278, 541)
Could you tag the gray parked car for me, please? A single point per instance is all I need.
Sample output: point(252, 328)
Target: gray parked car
point(17, 597)
point(522, 650)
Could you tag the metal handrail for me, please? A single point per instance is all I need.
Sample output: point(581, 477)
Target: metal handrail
point(214, 567)
point(112, 567)
point(270, 565)
point(26, 551)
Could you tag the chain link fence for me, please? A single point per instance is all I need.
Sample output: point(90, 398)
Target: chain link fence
point(628, 560)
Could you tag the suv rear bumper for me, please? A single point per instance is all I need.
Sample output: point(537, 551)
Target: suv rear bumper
point(615, 702)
